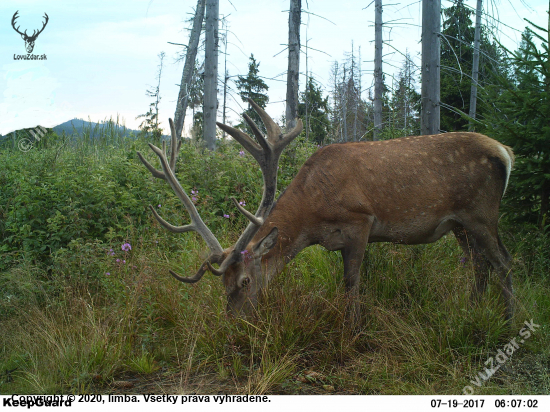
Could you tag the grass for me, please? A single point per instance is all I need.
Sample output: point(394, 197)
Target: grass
point(420, 334)
point(85, 323)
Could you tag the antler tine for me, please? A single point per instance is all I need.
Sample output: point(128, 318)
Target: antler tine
point(156, 173)
point(295, 131)
point(257, 132)
point(174, 146)
point(273, 129)
point(206, 265)
point(174, 150)
point(258, 221)
point(245, 140)
point(170, 227)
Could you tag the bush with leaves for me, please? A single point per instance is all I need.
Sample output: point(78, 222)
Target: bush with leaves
point(50, 199)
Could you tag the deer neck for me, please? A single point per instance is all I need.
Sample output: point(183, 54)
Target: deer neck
point(286, 216)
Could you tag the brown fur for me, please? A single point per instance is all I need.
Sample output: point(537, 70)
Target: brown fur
point(411, 190)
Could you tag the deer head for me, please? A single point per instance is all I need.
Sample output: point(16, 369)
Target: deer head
point(29, 40)
point(239, 265)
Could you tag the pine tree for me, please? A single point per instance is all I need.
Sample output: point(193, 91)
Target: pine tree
point(517, 110)
point(316, 119)
point(252, 86)
point(457, 52)
point(456, 65)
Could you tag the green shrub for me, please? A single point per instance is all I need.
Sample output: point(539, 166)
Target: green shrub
point(50, 199)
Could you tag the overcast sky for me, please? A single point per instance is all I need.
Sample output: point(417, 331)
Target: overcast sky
point(102, 55)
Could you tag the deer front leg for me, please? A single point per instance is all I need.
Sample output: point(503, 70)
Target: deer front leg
point(353, 254)
point(352, 265)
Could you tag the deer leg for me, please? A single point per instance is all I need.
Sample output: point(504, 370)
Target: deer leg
point(352, 255)
point(489, 244)
point(481, 266)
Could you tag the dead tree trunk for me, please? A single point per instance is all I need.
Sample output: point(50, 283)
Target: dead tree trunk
point(431, 27)
point(377, 69)
point(211, 73)
point(225, 79)
point(294, 20)
point(475, 68)
point(190, 56)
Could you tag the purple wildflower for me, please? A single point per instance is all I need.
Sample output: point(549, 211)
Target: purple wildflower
point(126, 247)
point(243, 203)
point(107, 274)
point(226, 216)
point(241, 153)
point(118, 260)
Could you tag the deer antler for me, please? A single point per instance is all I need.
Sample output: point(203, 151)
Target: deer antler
point(35, 35)
point(197, 224)
point(15, 16)
point(266, 152)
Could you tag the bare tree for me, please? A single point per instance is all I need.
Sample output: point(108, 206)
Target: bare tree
point(475, 67)
point(187, 76)
point(150, 124)
point(348, 113)
point(377, 69)
point(225, 72)
point(211, 73)
point(294, 21)
point(431, 28)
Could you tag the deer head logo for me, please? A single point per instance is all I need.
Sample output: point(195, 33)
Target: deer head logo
point(29, 40)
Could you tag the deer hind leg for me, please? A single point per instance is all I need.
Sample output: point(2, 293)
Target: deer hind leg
point(488, 242)
point(481, 265)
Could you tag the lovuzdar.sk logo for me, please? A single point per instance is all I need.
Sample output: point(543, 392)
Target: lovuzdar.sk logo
point(29, 40)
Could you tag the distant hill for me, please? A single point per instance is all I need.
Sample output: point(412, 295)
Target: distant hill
point(79, 126)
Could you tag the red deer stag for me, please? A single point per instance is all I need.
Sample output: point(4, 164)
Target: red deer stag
point(411, 190)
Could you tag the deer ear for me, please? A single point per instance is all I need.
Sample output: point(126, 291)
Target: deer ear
point(267, 243)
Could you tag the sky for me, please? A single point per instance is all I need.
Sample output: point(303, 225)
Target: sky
point(102, 56)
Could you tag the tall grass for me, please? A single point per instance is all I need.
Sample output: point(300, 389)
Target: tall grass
point(74, 319)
